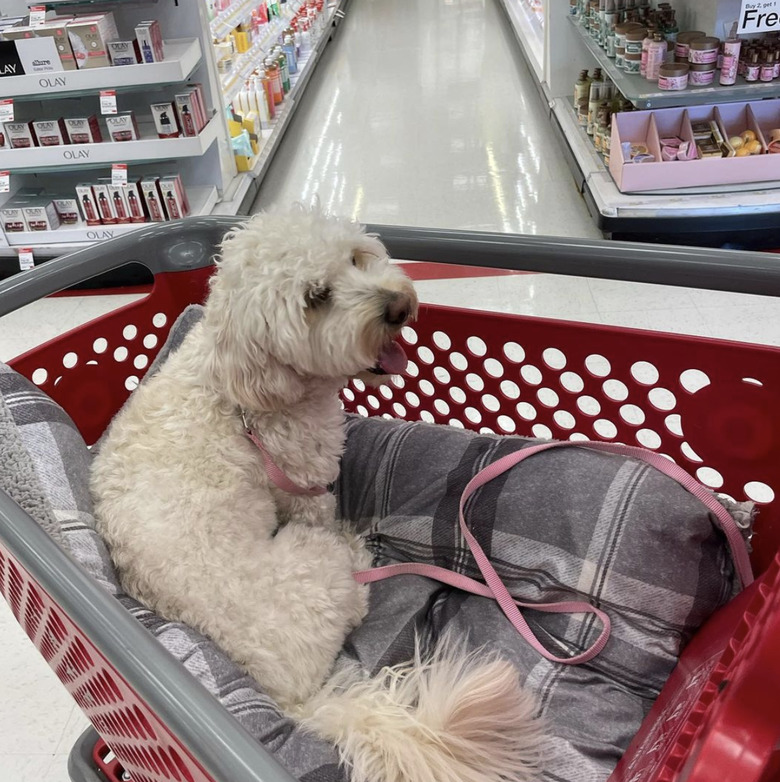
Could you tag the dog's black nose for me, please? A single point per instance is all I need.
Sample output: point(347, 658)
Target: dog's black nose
point(398, 309)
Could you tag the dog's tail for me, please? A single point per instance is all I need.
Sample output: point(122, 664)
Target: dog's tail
point(455, 717)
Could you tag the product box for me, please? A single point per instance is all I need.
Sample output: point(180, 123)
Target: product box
point(88, 204)
point(150, 41)
point(10, 64)
point(12, 215)
point(67, 209)
point(651, 127)
point(41, 216)
point(89, 37)
point(83, 130)
point(165, 120)
point(187, 119)
point(56, 29)
point(105, 203)
point(50, 132)
point(124, 52)
point(153, 199)
point(122, 127)
point(21, 135)
point(118, 196)
point(135, 202)
point(174, 197)
point(199, 103)
point(38, 55)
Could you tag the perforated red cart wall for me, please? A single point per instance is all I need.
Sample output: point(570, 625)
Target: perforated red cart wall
point(708, 404)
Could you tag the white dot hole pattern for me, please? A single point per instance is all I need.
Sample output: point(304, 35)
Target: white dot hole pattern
point(554, 358)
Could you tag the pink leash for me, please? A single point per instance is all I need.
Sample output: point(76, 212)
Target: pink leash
point(275, 474)
point(494, 587)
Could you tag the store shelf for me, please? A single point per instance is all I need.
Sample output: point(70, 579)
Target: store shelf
point(148, 148)
point(744, 201)
point(246, 62)
point(182, 55)
point(529, 32)
point(235, 195)
point(645, 94)
point(70, 238)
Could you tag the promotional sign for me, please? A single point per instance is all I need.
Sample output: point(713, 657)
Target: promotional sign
point(759, 16)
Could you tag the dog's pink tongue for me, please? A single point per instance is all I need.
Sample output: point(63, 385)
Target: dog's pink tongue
point(392, 360)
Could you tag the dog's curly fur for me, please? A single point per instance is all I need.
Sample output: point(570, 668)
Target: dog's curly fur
point(299, 304)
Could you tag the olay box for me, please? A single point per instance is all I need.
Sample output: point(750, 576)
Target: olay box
point(165, 121)
point(41, 215)
point(12, 215)
point(88, 204)
point(653, 129)
point(57, 29)
point(124, 52)
point(10, 64)
point(175, 198)
point(150, 41)
point(21, 135)
point(105, 203)
point(153, 199)
point(50, 132)
point(118, 197)
point(89, 37)
point(67, 209)
point(122, 127)
point(83, 130)
point(191, 111)
point(135, 202)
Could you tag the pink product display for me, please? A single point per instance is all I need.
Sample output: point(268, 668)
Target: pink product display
point(674, 148)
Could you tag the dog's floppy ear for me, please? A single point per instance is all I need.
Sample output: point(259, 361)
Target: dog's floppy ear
point(237, 331)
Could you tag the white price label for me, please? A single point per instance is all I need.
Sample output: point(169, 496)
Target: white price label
point(26, 258)
point(5, 181)
point(37, 15)
point(108, 101)
point(6, 110)
point(759, 16)
point(119, 175)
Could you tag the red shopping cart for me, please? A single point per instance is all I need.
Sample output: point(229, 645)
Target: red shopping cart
point(717, 715)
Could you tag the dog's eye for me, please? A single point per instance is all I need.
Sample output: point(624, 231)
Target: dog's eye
point(317, 296)
point(354, 260)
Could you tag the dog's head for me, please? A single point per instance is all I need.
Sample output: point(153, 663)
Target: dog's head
point(300, 296)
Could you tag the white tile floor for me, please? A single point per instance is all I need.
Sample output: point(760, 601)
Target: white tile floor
point(443, 129)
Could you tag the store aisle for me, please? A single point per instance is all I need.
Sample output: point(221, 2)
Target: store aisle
point(425, 114)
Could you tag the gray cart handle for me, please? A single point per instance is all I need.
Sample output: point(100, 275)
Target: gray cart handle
point(193, 242)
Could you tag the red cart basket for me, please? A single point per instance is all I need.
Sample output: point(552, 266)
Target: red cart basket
point(708, 404)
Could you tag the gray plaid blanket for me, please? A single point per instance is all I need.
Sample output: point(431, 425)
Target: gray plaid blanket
point(565, 524)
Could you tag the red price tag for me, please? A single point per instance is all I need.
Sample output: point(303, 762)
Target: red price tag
point(119, 175)
point(26, 261)
point(37, 15)
point(108, 102)
point(7, 110)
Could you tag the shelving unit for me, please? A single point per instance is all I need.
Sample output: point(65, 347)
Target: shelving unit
point(246, 184)
point(529, 29)
point(645, 94)
point(206, 162)
point(671, 215)
point(182, 56)
point(70, 238)
point(148, 148)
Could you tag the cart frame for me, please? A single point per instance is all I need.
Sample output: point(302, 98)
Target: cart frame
point(220, 749)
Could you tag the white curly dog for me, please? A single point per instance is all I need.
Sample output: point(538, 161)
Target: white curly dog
point(199, 532)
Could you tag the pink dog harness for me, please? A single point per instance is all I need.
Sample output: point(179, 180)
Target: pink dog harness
point(275, 474)
point(494, 587)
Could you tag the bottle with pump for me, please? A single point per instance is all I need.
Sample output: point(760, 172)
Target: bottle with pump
point(136, 215)
point(173, 208)
point(105, 209)
point(187, 122)
point(581, 87)
point(119, 208)
point(594, 97)
point(89, 209)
